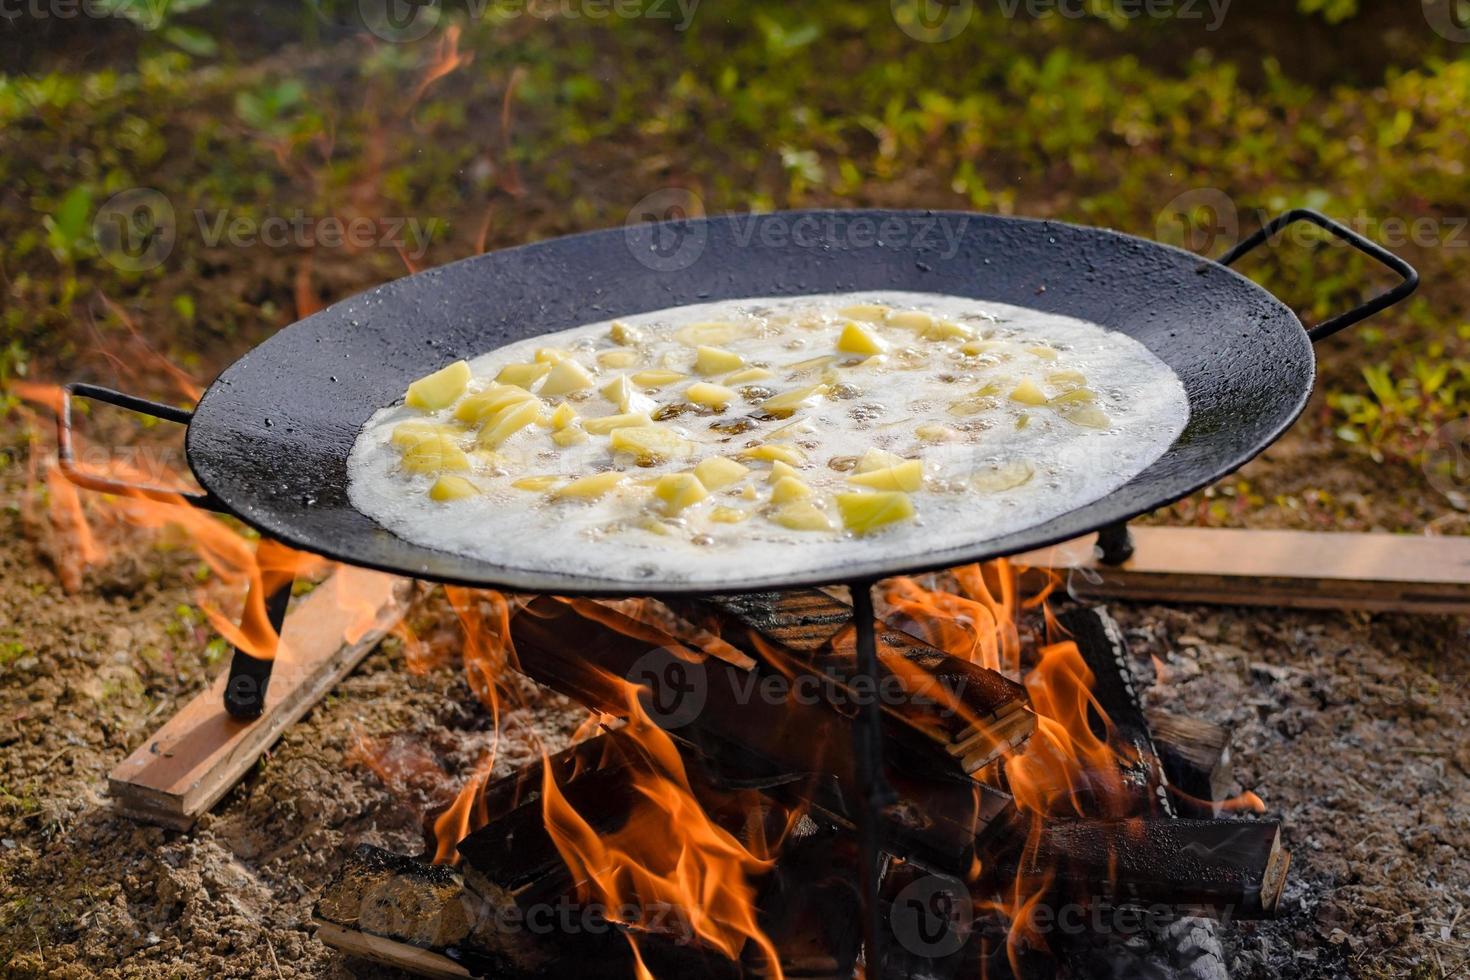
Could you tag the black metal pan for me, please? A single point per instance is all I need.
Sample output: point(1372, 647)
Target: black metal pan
point(269, 440)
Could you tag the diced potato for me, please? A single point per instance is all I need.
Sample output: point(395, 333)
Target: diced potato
point(657, 378)
point(728, 515)
point(746, 376)
point(406, 434)
point(709, 395)
point(678, 491)
point(908, 476)
point(507, 422)
point(1066, 379)
point(569, 437)
point(774, 452)
point(718, 472)
point(1006, 476)
point(617, 358)
point(975, 348)
point(856, 339)
point(934, 432)
point(1045, 353)
point(590, 486)
point(523, 375)
point(551, 355)
point(1076, 396)
point(720, 332)
point(716, 360)
point(749, 493)
point(477, 408)
point(916, 320)
point(562, 417)
point(812, 364)
point(782, 471)
point(801, 515)
point(1028, 393)
point(866, 512)
point(602, 426)
point(877, 459)
point(973, 405)
point(448, 488)
point(791, 400)
point(947, 330)
point(622, 393)
point(437, 454)
point(1089, 416)
point(651, 440)
point(536, 482)
point(788, 489)
point(870, 312)
point(440, 389)
point(624, 335)
point(568, 376)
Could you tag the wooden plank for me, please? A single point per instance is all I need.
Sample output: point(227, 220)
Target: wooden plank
point(1292, 569)
point(194, 759)
point(389, 952)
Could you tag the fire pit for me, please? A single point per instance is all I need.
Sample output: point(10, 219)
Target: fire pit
point(958, 788)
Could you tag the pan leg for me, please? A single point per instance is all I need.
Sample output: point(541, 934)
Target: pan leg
point(873, 791)
point(250, 676)
point(1115, 544)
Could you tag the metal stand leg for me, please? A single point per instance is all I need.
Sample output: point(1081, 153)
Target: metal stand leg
point(868, 757)
point(1115, 544)
point(250, 676)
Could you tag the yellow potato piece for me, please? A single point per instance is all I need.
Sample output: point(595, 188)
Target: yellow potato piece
point(1045, 353)
point(877, 459)
point(1006, 476)
point(448, 488)
point(911, 319)
point(523, 375)
point(790, 401)
point(947, 330)
point(866, 512)
point(507, 422)
point(617, 358)
point(788, 489)
point(477, 408)
point(551, 355)
point(651, 440)
point(536, 482)
point(563, 416)
point(440, 389)
point(1077, 396)
point(782, 471)
point(1089, 417)
point(908, 476)
point(870, 312)
point(746, 376)
point(569, 437)
point(974, 348)
point(406, 434)
point(728, 515)
point(568, 376)
point(607, 423)
point(657, 378)
point(801, 515)
point(678, 491)
point(858, 340)
point(774, 452)
point(624, 335)
point(1028, 393)
point(934, 432)
point(709, 395)
point(622, 393)
point(591, 486)
point(717, 472)
point(716, 360)
point(435, 455)
point(697, 334)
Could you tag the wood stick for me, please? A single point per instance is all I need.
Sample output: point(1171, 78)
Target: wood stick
point(1292, 569)
point(1196, 758)
point(202, 751)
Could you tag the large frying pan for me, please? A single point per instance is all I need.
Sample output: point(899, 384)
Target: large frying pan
point(269, 440)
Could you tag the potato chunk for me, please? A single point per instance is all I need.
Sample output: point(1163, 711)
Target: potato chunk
point(718, 472)
point(477, 408)
point(522, 375)
point(622, 393)
point(591, 487)
point(790, 401)
point(507, 422)
point(747, 375)
point(568, 376)
point(1028, 393)
point(716, 360)
point(916, 320)
point(728, 515)
point(405, 434)
point(788, 489)
point(653, 441)
point(617, 358)
point(657, 378)
point(863, 513)
point(775, 452)
point(602, 426)
point(781, 470)
point(448, 488)
point(856, 339)
point(624, 335)
point(877, 459)
point(709, 395)
point(907, 476)
point(801, 515)
point(536, 482)
point(679, 490)
point(440, 389)
point(571, 436)
point(870, 312)
point(562, 417)
point(436, 454)
point(1003, 477)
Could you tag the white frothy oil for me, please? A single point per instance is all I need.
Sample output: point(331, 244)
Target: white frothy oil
point(992, 465)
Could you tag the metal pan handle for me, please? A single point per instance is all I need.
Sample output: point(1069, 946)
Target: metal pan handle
point(66, 455)
point(1371, 249)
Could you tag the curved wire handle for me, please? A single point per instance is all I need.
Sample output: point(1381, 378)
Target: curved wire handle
point(1369, 248)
